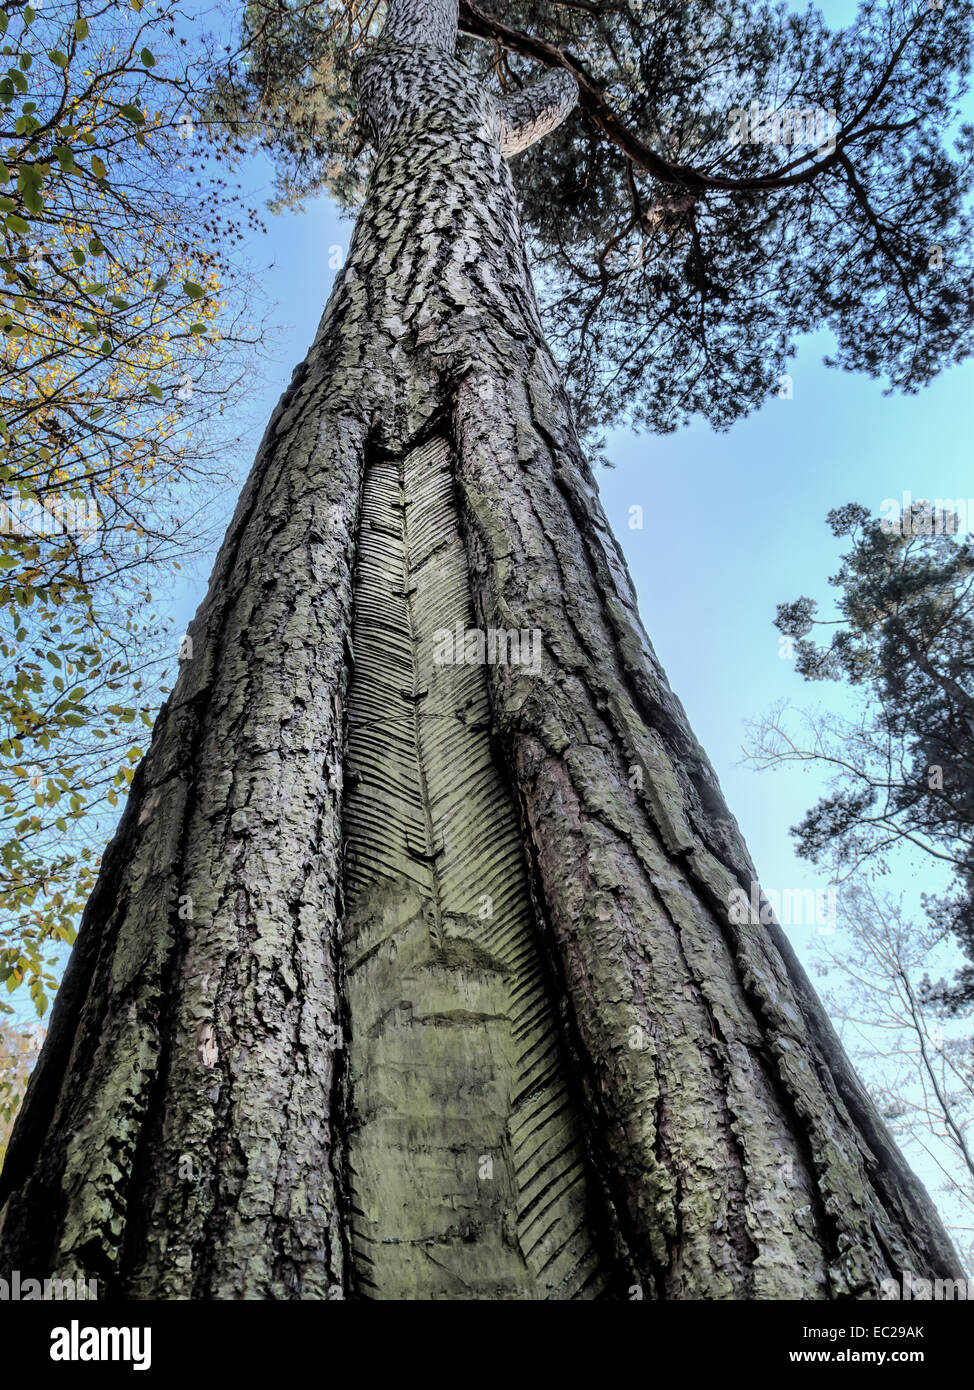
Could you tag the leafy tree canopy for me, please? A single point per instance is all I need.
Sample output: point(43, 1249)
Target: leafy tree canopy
point(120, 344)
point(736, 175)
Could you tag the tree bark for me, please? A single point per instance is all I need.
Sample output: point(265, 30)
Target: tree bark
point(416, 976)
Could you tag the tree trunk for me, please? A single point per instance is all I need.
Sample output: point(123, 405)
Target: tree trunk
point(412, 970)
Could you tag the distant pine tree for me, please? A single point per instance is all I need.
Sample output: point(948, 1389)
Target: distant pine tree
point(906, 637)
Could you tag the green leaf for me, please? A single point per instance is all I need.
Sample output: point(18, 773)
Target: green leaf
point(59, 59)
point(17, 224)
point(132, 113)
point(192, 289)
point(29, 185)
point(97, 167)
point(81, 29)
point(147, 58)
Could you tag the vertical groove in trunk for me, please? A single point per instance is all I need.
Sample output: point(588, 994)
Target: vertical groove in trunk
point(468, 1172)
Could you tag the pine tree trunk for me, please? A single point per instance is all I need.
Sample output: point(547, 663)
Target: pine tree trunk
point(412, 970)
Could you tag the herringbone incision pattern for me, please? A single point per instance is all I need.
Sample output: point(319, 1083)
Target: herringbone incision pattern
point(467, 1170)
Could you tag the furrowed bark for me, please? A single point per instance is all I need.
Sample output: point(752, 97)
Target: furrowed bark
point(175, 1140)
point(290, 1035)
point(746, 1158)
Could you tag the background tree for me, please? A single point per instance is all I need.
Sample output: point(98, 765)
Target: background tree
point(921, 1077)
point(124, 338)
point(903, 770)
point(19, 1048)
point(679, 252)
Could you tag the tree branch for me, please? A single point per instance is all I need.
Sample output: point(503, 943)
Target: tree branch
point(477, 24)
point(530, 115)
